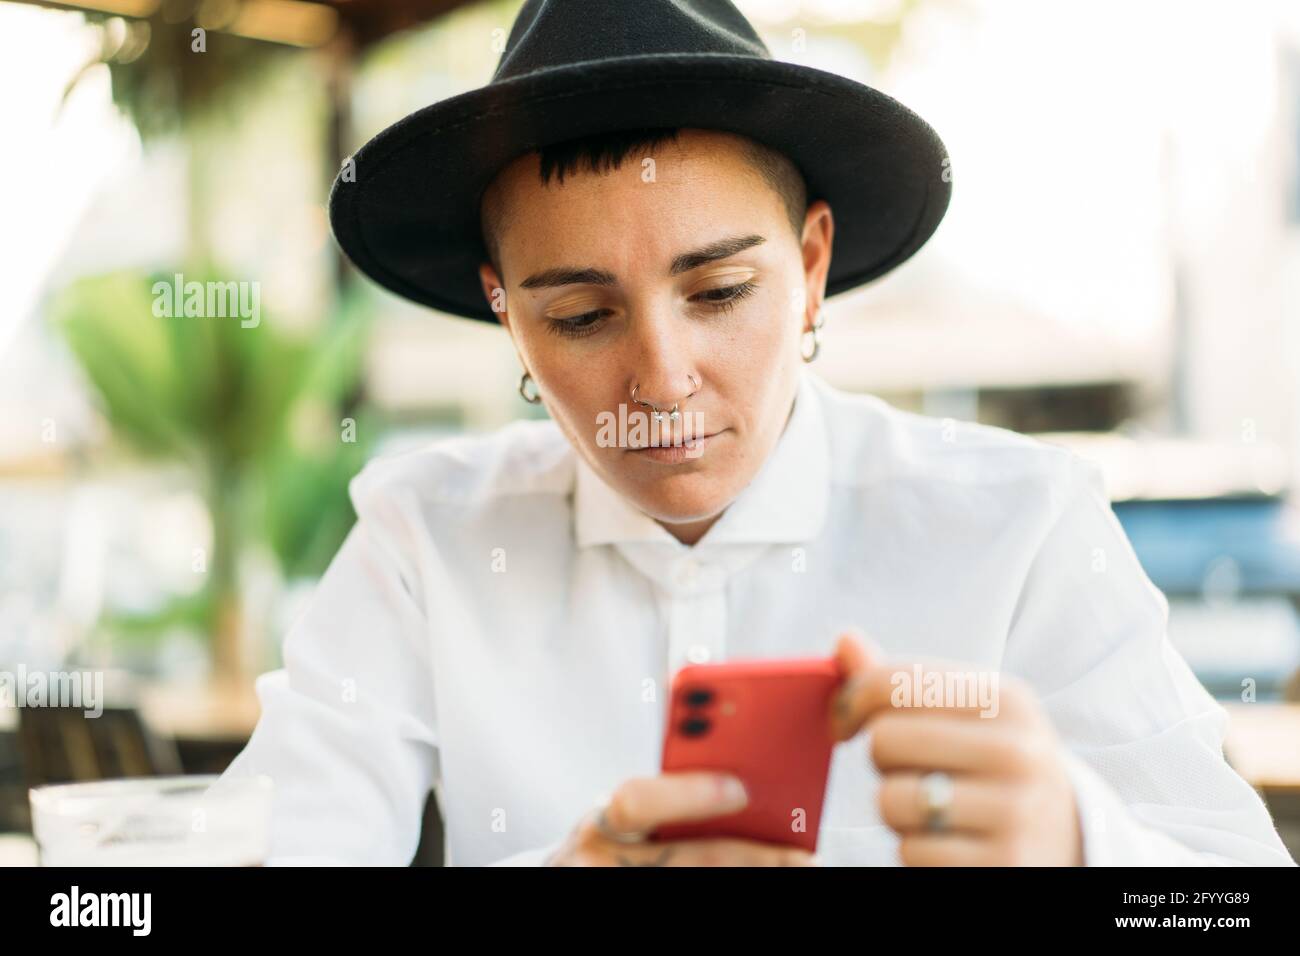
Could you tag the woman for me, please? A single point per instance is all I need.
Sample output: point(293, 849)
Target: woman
point(502, 622)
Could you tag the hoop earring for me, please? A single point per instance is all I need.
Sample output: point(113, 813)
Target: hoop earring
point(523, 389)
point(816, 333)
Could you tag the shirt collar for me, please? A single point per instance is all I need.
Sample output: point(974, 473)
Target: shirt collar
point(785, 501)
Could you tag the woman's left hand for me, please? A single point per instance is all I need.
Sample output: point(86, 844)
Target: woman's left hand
point(1012, 803)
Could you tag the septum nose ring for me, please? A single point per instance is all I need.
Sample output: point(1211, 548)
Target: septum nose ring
point(655, 413)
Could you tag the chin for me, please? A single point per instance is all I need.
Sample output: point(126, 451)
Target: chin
point(680, 499)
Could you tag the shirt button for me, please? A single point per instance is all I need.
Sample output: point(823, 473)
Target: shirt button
point(698, 654)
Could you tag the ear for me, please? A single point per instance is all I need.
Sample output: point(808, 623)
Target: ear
point(818, 237)
point(495, 292)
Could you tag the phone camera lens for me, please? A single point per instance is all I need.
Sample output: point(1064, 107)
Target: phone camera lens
point(698, 697)
point(694, 727)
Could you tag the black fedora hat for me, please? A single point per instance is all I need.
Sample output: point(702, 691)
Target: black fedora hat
point(406, 209)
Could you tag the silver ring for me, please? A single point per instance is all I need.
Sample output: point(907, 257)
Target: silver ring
point(816, 332)
point(936, 800)
point(657, 415)
point(609, 833)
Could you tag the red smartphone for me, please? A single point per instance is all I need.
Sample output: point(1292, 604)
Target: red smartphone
point(767, 722)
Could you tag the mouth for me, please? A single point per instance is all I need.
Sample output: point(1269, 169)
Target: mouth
point(670, 441)
point(675, 451)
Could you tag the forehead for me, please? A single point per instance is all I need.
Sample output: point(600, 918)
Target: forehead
point(657, 202)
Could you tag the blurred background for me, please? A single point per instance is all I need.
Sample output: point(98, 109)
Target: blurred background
point(1119, 272)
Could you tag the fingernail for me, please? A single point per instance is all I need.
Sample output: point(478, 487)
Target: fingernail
point(732, 790)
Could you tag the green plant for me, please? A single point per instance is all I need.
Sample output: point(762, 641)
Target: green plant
point(257, 413)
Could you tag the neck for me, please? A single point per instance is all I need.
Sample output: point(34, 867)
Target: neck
point(689, 532)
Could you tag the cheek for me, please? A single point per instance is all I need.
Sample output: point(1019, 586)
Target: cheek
point(760, 352)
point(574, 413)
point(558, 369)
point(769, 328)
point(575, 394)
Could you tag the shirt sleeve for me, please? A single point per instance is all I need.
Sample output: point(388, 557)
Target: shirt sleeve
point(1145, 739)
point(348, 731)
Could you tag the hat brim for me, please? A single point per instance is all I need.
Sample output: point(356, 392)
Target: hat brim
point(409, 217)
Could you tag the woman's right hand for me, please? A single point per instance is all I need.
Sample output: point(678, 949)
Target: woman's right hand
point(644, 803)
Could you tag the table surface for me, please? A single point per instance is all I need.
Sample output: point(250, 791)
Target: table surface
point(207, 712)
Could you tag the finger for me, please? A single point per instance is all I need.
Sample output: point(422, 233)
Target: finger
point(947, 849)
point(937, 742)
point(643, 803)
point(978, 806)
point(709, 852)
point(855, 654)
point(926, 686)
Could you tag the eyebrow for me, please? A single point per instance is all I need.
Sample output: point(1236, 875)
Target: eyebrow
point(685, 262)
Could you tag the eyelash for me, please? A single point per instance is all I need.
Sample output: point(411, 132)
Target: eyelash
point(575, 328)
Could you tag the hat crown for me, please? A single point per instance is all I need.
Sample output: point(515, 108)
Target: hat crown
point(550, 33)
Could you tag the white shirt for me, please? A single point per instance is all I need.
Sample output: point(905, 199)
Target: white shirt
point(502, 626)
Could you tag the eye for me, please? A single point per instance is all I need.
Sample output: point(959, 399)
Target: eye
point(576, 326)
point(727, 297)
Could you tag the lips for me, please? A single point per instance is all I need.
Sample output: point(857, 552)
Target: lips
point(690, 451)
point(678, 442)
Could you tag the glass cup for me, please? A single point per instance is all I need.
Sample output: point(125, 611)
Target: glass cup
point(154, 821)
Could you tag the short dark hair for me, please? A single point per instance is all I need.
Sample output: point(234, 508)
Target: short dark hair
point(604, 151)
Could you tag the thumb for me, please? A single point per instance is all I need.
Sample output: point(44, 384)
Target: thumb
point(855, 653)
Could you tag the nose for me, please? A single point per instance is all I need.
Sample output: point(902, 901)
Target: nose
point(661, 362)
